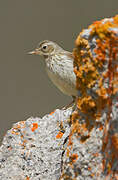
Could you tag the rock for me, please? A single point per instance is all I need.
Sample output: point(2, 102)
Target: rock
point(33, 149)
point(80, 142)
point(92, 150)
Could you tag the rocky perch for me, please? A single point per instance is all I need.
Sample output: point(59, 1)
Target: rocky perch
point(80, 143)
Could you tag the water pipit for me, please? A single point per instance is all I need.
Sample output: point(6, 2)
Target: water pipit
point(59, 66)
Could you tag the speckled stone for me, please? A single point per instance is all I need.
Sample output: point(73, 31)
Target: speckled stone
point(71, 144)
point(31, 150)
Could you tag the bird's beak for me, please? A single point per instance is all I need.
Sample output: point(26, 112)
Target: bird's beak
point(32, 52)
point(36, 51)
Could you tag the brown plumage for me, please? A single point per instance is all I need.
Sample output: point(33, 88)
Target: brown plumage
point(59, 66)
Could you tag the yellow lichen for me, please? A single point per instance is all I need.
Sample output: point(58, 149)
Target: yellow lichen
point(89, 71)
point(92, 76)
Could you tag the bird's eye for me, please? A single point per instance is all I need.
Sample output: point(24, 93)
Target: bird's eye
point(44, 47)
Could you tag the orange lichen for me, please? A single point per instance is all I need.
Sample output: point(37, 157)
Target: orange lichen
point(97, 83)
point(114, 140)
point(78, 128)
point(23, 143)
point(74, 116)
point(27, 178)
point(85, 103)
point(89, 168)
point(67, 152)
point(34, 126)
point(74, 157)
point(70, 143)
point(89, 71)
point(86, 67)
point(108, 42)
point(52, 112)
point(92, 174)
point(13, 132)
point(102, 29)
point(59, 135)
point(95, 154)
point(15, 129)
point(101, 128)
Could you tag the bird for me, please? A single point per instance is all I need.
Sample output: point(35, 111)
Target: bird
point(59, 67)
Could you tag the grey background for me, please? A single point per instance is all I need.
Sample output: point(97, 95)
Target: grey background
point(25, 89)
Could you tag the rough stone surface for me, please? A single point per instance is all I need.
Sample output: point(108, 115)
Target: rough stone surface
point(92, 150)
point(32, 149)
point(79, 143)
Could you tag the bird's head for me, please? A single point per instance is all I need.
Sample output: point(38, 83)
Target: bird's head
point(46, 48)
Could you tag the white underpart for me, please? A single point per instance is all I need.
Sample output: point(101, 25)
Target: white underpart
point(61, 73)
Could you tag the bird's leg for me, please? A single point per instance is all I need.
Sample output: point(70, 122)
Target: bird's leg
point(70, 104)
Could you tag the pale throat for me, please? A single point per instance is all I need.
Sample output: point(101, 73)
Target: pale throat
point(52, 62)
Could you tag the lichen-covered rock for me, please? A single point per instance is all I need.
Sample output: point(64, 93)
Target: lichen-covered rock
point(33, 149)
point(79, 143)
point(92, 150)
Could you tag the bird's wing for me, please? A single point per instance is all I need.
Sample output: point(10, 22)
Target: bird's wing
point(69, 54)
